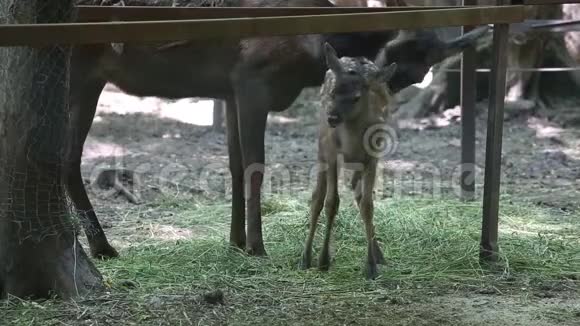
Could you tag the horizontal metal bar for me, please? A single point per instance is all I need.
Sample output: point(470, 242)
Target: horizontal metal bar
point(142, 13)
point(549, 2)
point(236, 28)
point(555, 22)
point(545, 25)
point(559, 29)
point(559, 26)
point(563, 69)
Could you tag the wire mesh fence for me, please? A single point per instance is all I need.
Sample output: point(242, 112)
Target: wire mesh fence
point(36, 126)
point(39, 251)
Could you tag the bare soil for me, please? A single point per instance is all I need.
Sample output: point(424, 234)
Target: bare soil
point(174, 156)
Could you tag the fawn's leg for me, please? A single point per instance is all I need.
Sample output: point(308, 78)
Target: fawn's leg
point(356, 186)
point(331, 207)
point(374, 254)
point(316, 205)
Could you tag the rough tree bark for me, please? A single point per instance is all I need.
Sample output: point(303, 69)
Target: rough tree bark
point(40, 255)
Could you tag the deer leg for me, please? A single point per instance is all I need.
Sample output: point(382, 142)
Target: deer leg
point(98, 243)
point(238, 218)
point(331, 207)
point(356, 185)
point(252, 127)
point(380, 258)
point(374, 254)
point(316, 205)
point(85, 94)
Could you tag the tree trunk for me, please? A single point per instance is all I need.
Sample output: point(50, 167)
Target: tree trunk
point(39, 251)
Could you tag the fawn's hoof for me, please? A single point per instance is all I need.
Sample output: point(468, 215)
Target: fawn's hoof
point(371, 271)
point(380, 258)
point(105, 251)
point(305, 262)
point(324, 263)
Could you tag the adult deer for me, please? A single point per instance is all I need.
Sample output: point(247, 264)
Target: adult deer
point(254, 76)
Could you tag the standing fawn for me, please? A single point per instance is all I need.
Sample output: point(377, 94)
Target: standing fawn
point(354, 99)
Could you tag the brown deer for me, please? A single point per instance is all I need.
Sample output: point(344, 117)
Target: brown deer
point(254, 76)
point(354, 99)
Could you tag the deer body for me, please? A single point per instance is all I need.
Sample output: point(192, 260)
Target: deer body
point(354, 97)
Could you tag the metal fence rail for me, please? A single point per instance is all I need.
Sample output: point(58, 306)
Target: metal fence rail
point(235, 28)
point(545, 2)
point(141, 13)
point(556, 69)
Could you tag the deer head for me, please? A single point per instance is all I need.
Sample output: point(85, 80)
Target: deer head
point(416, 51)
point(348, 90)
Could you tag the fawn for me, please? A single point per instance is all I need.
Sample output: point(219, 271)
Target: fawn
point(354, 99)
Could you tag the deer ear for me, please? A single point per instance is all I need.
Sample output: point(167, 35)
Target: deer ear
point(385, 74)
point(332, 60)
point(381, 59)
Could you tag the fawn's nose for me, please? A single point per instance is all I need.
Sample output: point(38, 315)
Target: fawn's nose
point(333, 119)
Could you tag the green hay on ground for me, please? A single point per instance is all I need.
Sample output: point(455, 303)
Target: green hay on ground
point(431, 246)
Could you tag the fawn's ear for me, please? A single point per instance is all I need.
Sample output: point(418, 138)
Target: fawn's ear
point(385, 74)
point(332, 60)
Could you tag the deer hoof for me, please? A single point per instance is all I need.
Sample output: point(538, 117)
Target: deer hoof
point(371, 271)
point(256, 251)
point(324, 263)
point(238, 245)
point(104, 252)
point(380, 258)
point(306, 262)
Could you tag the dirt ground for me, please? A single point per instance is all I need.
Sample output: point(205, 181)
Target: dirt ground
point(175, 152)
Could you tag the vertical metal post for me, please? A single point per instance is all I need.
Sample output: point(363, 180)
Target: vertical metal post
point(218, 114)
point(489, 228)
point(468, 99)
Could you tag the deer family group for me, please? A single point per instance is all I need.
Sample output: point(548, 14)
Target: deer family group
point(358, 73)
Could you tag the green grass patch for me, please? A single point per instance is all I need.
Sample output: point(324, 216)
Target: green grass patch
point(431, 246)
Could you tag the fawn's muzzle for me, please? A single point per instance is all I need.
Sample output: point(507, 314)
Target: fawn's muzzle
point(333, 120)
